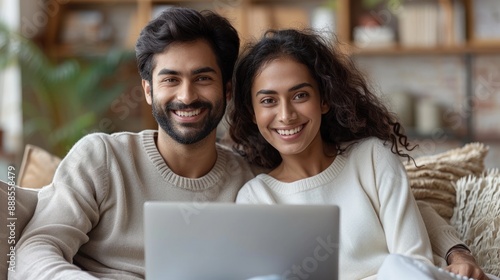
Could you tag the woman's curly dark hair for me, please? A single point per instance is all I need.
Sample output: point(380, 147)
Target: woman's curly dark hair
point(355, 111)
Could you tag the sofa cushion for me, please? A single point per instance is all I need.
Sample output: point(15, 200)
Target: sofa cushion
point(37, 168)
point(477, 217)
point(25, 204)
point(433, 180)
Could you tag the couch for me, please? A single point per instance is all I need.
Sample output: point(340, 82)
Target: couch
point(455, 183)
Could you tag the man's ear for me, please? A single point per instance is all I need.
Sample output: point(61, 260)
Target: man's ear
point(147, 91)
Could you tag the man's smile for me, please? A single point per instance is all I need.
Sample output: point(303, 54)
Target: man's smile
point(187, 113)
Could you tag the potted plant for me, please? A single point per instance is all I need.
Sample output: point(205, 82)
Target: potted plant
point(63, 101)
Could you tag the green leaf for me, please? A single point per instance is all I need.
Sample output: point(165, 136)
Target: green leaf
point(68, 97)
point(370, 4)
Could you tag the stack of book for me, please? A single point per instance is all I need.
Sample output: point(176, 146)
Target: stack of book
point(432, 24)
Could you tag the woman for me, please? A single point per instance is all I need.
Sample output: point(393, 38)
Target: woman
point(303, 111)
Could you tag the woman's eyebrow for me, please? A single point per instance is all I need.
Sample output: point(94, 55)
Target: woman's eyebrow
point(296, 87)
point(299, 86)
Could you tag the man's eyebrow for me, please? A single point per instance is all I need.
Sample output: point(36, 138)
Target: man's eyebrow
point(166, 71)
point(203, 70)
point(296, 87)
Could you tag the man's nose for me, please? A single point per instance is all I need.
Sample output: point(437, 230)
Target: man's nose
point(187, 93)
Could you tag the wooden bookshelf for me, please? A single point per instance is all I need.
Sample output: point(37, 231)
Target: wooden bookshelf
point(252, 17)
point(397, 51)
point(69, 31)
point(456, 25)
point(455, 30)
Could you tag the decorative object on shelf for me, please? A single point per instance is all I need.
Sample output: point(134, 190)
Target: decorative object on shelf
point(485, 23)
point(402, 104)
point(427, 116)
point(372, 30)
point(81, 27)
point(323, 20)
point(85, 27)
point(374, 36)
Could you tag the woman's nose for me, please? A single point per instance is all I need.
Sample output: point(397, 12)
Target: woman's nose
point(287, 113)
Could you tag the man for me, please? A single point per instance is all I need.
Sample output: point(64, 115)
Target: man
point(88, 221)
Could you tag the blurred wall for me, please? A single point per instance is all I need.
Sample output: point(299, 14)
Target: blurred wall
point(10, 88)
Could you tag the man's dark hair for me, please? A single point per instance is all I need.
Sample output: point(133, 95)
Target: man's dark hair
point(185, 25)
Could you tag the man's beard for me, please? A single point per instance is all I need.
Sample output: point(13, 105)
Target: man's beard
point(196, 131)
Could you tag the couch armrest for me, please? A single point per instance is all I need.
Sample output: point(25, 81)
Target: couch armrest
point(17, 207)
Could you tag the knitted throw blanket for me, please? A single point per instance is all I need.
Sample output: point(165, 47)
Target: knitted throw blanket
point(477, 217)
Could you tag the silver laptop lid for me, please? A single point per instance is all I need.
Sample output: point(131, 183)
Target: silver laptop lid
point(187, 241)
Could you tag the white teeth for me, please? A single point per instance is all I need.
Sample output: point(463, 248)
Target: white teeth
point(289, 131)
point(188, 113)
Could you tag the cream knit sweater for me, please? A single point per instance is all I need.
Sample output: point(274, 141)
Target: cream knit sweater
point(91, 216)
point(378, 213)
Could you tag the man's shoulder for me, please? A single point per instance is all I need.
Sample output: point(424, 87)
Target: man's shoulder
point(99, 143)
point(120, 135)
point(118, 138)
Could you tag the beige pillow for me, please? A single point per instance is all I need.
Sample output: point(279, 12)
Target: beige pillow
point(434, 179)
point(25, 204)
point(37, 168)
point(477, 217)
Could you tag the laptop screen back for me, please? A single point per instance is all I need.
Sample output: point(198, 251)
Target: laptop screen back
point(234, 241)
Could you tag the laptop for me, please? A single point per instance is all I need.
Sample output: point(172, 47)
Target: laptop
point(219, 241)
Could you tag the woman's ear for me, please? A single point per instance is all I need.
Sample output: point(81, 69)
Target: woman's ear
point(229, 91)
point(324, 107)
point(147, 91)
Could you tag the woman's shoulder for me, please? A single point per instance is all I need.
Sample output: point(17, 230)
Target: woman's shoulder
point(371, 151)
point(366, 146)
point(253, 191)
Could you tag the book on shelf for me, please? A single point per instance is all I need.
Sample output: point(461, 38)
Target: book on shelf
point(418, 25)
point(459, 26)
point(430, 24)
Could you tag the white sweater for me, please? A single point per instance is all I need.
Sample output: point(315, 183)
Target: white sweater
point(379, 215)
point(92, 213)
